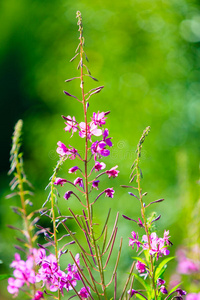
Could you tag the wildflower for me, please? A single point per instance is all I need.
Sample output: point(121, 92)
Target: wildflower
point(98, 149)
point(95, 184)
point(84, 292)
point(160, 281)
point(158, 245)
point(79, 181)
point(112, 172)
point(99, 166)
point(23, 274)
point(163, 290)
point(99, 118)
point(60, 181)
point(109, 192)
point(140, 267)
point(180, 292)
point(132, 292)
point(91, 130)
point(73, 152)
point(71, 124)
point(62, 149)
point(134, 240)
point(73, 169)
point(67, 195)
point(105, 139)
point(38, 295)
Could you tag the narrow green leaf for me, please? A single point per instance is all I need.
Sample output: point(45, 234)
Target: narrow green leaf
point(161, 267)
point(145, 285)
point(174, 288)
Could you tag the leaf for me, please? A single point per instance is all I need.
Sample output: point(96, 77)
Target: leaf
point(161, 267)
point(174, 288)
point(4, 276)
point(145, 285)
point(139, 296)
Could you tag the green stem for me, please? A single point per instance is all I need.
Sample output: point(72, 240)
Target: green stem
point(144, 218)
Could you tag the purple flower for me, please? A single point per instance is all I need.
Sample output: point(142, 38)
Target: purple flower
point(95, 184)
point(140, 267)
point(134, 240)
point(99, 118)
point(163, 290)
point(38, 295)
point(73, 169)
point(112, 172)
point(60, 181)
point(84, 292)
point(62, 149)
point(109, 192)
point(67, 195)
point(79, 181)
point(105, 139)
point(160, 281)
point(132, 292)
point(180, 292)
point(71, 124)
point(98, 149)
point(99, 166)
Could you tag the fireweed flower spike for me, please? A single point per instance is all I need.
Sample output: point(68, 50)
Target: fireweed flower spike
point(42, 271)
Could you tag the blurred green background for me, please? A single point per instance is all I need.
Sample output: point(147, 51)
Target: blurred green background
point(147, 55)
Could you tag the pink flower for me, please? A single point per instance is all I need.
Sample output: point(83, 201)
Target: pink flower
point(73, 152)
point(60, 181)
point(132, 292)
point(95, 184)
point(158, 245)
point(62, 149)
point(98, 149)
point(73, 169)
point(71, 124)
point(99, 118)
point(67, 195)
point(163, 289)
point(134, 240)
point(99, 166)
point(112, 172)
point(140, 267)
point(79, 181)
point(23, 274)
point(160, 281)
point(193, 296)
point(109, 192)
point(84, 292)
point(106, 139)
point(91, 130)
point(38, 295)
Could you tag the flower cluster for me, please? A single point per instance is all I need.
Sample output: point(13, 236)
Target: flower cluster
point(49, 274)
point(98, 149)
point(158, 246)
point(23, 274)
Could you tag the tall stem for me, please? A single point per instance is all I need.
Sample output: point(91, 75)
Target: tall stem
point(96, 248)
point(138, 176)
